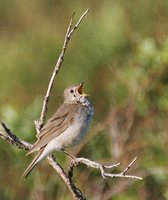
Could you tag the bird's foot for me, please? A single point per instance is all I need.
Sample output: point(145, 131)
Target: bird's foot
point(69, 154)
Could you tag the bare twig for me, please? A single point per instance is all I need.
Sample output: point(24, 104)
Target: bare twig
point(129, 166)
point(68, 35)
point(93, 164)
point(123, 173)
point(11, 141)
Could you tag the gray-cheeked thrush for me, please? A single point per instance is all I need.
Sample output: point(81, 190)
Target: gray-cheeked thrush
point(65, 128)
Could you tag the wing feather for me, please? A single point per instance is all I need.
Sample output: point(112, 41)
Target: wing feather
point(56, 125)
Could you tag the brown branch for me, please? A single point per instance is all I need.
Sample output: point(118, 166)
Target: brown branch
point(93, 164)
point(58, 65)
point(11, 141)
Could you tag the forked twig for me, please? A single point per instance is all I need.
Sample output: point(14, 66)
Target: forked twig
point(76, 161)
point(123, 173)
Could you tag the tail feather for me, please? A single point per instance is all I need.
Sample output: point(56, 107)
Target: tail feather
point(31, 166)
point(33, 149)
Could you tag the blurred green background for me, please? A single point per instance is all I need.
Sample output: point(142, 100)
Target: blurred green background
point(121, 50)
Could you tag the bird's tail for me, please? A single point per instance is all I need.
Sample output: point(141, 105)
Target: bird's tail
point(32, 165)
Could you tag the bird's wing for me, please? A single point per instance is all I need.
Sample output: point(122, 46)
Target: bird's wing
point(56, 125)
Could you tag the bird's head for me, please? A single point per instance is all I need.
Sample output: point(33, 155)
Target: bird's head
point(75, 94)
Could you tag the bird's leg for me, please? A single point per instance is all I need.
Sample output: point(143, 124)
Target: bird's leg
point(69, 154)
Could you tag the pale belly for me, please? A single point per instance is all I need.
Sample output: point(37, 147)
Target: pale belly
point(74, 134)
point(71, 137)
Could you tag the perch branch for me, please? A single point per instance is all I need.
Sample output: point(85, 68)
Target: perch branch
point(58, 65)
point(9, 140)
point(93, 164)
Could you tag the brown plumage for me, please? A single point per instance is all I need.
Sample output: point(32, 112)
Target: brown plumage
point(57, 124)
point(65, 128)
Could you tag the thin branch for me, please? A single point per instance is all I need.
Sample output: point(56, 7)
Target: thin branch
point(122, 176)
point(79, 21)
point(58, 65)
point(76, 161)
point(93, 164)
point(129, 166)
point(20, 144)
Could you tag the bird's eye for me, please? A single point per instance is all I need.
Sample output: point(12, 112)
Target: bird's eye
point(71, 91)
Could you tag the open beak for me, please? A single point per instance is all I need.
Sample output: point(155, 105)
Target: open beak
point(80, 89)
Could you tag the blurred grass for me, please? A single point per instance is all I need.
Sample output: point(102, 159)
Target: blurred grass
point(121, 50)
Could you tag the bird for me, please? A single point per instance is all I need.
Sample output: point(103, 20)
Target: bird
point(66, 128)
